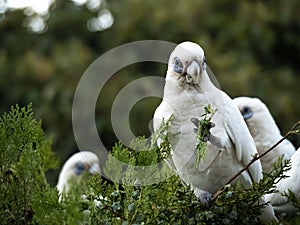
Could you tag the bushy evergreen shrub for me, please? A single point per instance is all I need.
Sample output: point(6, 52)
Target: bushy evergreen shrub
point(25, 156)
point(26, 197)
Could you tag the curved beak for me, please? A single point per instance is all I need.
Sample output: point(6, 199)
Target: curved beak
point(193, 69)
point(193, 72)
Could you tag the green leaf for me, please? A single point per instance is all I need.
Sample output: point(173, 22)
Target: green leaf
point(203, 133)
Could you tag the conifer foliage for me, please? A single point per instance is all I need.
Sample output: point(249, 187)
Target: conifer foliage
point(27, 198)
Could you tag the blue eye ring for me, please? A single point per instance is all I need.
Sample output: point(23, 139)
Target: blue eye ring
point(204, 64)
point(79, 168)
point(178, 66)
point(247, 112)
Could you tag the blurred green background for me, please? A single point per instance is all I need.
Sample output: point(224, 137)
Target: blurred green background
point(251, 46)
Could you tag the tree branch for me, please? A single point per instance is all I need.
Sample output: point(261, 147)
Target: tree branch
point(294, 130)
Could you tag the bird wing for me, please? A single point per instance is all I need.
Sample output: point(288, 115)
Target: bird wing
point(163, 113)
point(240, 136)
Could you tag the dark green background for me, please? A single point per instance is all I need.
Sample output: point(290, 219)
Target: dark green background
point(252, 47)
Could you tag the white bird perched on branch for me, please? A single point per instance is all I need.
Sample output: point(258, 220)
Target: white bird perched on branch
point(264, 131)
point(230, 146)
point(75, 166)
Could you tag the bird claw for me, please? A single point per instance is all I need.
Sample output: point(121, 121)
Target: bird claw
point(206, 138)
point(195, 121)
point(203, 197)
point(209, 125)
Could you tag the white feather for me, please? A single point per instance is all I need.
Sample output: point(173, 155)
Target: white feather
point(185, 100)
point(265, 132)
point(280, 203)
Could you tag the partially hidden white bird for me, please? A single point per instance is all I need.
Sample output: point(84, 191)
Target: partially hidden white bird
point(230, 147)
point(75, 167)
point(264, 131)
point(281, 203)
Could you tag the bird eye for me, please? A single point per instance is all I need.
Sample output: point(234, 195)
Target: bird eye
point(246, 109)
point(178, 66)
point(247, 112)
point(204, 63)
point(79, 168)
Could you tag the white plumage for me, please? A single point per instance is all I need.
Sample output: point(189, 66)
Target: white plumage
point(187, 91)
point(264, 131)
point(280, 203)
point(75, 166)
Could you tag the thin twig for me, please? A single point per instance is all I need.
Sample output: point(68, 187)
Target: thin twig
point(256, 157)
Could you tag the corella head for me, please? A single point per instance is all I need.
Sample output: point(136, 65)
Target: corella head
point(253, 110)
point(76, 166)
point(264, 131)
point(187, 63)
